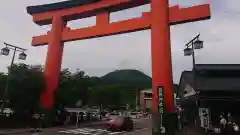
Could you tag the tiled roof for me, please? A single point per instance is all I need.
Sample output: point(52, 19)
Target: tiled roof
point(218, 79)
point(218, 67)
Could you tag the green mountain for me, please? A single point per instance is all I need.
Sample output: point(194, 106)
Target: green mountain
point(128, 77)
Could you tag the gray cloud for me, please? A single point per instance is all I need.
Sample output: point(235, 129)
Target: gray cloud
point(101, 55)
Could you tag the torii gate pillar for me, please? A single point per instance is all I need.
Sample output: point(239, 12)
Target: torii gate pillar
point(161, 60)
point(53, 62)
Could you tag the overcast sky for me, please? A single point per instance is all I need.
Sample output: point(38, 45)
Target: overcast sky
point(130, 51)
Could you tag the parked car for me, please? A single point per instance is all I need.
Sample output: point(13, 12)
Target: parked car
point(120, 123)
point(95, 115)
point(135, 115)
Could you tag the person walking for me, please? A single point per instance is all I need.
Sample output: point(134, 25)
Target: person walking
point(185, 123)
point(230, 128)
point(235, 129)
point(34, 122)
point(223, 125)
point(180, 121)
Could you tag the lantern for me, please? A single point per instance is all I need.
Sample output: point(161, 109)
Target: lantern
point(5, 51)
point(188, 51)
point(198, 44)
point(22, 56)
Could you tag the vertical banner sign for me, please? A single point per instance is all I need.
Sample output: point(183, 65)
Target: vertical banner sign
point(160, 100)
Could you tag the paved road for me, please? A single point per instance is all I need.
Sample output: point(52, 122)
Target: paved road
point(78, 131)
point(143, 127)
point(97, 130)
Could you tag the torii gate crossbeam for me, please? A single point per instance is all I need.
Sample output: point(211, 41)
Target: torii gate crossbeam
point(158, 20)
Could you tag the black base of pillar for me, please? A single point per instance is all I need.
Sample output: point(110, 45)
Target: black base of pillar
point(155, 125)
point(170, 122)
point(48, 120)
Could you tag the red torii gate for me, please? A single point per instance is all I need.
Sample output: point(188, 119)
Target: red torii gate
point(158, 20)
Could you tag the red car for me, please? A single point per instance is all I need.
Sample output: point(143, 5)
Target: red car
point(119, 123)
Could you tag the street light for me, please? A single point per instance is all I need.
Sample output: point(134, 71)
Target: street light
point(5, 51)
point(195, 43)
point(198, 44)
point(22, 56)
point(188, 51)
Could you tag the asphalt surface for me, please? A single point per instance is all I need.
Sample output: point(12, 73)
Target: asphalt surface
point(142, 127)
point(140, 124)
point(77, 131)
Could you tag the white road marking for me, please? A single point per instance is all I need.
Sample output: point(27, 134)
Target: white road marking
point(113, 133)
point(89, 131)
point(135, 131)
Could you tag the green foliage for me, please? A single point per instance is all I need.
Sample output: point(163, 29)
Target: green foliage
point(3, 79)
point(130, 78)
point(26, 82)
point(73, 87)
point(25, 85)
point(105, 95)
point(117, 88)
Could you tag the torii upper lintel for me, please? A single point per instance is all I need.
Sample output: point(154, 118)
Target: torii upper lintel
point(177, 16)
point(77, 9)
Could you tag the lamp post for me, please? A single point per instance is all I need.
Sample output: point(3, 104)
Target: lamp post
point(195, 43)
point(22, 56)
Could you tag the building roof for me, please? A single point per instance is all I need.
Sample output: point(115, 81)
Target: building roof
point(214, 77)
point(147, 91)
point(57, 6)
point(219, 67)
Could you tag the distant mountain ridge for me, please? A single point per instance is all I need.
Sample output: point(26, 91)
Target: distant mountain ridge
point(128, 77)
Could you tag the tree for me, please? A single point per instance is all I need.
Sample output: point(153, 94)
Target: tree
point(106, 95)
point(116, 88)
point(129, 78)
point(73, 87)
point(25, 85)
point(3, 79)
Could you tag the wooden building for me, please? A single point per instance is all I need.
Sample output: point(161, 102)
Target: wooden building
point(214, 89)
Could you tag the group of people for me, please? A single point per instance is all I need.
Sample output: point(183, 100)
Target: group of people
point(227, 125)
point(183, 121)
point(36, 121)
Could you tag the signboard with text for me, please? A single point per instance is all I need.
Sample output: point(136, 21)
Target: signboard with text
point(160, 100)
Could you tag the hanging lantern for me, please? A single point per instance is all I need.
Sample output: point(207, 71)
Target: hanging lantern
point(198, 44)
point(22, 56)
point(5, 51)
point(188, 51)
